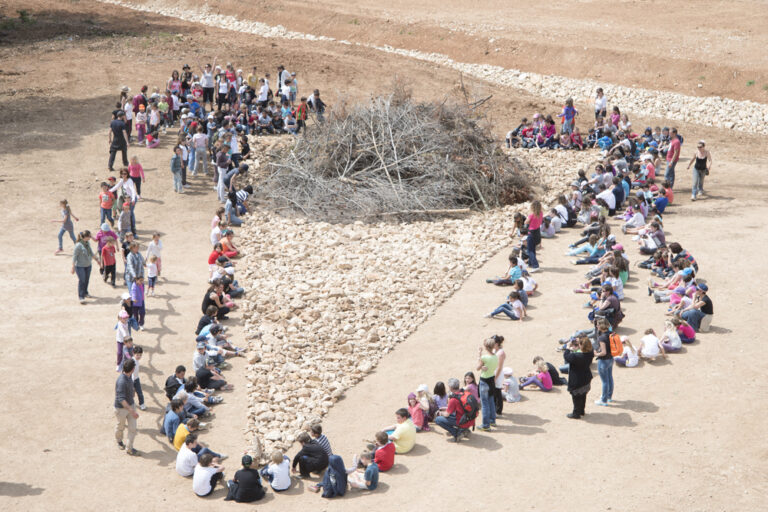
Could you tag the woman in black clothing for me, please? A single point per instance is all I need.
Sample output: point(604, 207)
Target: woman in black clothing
point(215, 297)
point(579, 355)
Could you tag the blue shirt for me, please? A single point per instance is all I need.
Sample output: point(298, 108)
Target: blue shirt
point(626, 187)
point(661, 204)
point(372, 475)
point(170, 424)
point(515, 273)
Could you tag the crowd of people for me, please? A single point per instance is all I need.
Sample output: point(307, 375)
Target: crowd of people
point(215, 111)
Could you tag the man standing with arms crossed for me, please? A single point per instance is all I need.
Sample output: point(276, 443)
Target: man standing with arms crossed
point(673, 155)
point(124, 409)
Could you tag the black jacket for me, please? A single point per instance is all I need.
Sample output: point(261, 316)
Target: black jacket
point(315, 456)
point(579, 374)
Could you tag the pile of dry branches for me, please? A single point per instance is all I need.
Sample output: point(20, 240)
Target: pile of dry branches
point(394, 157)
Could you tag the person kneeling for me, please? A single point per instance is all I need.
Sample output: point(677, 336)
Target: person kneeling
point(364, 474)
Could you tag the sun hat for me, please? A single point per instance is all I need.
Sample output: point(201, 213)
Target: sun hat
point(702, 143)
point(507, 370)
point(422, 388)
point(125, 296)
point(105, 227)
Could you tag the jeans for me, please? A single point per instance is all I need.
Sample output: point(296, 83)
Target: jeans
point(106, 213)
point(669, 175)
point(83, 276)
point(177, 185)
point(137, 183)
point(487, 403)
point(139, 391)
point(203, 450)
point(192, 160)
point(698, 183)
point(71, 232)
point(201, 155)
point(133, 218)
point(534, 237)
point(694, 318)
point(448, 423)
point(231, 214)
point(507, 310)
point(199, 411)
point(113, 151)
point(605, 370)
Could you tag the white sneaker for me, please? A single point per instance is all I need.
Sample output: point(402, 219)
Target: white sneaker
point(533, 270)
point(143, 407)
point(600, 402)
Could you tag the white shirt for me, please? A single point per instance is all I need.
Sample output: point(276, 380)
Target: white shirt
point(128, 187)
point(206, 80)
point(186, 461)
point(135, 374)
point(674, 338)
point(263, 92)
point(557, 223)
point(528, 284)
point(201, 480)
point(154, 249)
point(281, 474)
point(215, 235)
point(518, 307)
point(637, 220)
point(632, 358)
point(121, 332)
point(151, 269)
point(562, 212)
point(650, 345)
point(128, 109)
point(618, 287)
point(513, 390)
point(608, 197)
point(601, 103)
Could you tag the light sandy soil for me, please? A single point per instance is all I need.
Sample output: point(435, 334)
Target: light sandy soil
point(686, 434)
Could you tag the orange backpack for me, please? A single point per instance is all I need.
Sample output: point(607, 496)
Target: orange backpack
point(614, 341)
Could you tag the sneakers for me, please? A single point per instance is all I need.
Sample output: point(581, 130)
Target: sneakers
point(223, 457)
point(58, 251)
point(533, 270)
point(600, 402)
point(202, 425)
point(488, 316)
point(121, 445)
point(484, 429)
point(693, 198)
point(624, 229)
point(493, 423)
point(573, 416)
point(143, 407)
point(487, 280)
point(133, 452)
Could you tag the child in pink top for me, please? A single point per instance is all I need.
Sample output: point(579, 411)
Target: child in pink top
point(470, 384)
point(417, 413)
point(136, 172)
point(542, 379)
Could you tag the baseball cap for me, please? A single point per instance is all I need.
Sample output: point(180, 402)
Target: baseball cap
point(125, 296)
point(201, 344)
point(703, 287)
point(210, 360)
point(507, 370)
point(422, 387)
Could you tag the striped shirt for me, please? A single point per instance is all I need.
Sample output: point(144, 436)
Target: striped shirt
point(324, 443)
point(242, 196)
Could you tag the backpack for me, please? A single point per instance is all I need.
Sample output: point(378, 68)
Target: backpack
point(469, 407)
point(572, 217)
point(614, 341)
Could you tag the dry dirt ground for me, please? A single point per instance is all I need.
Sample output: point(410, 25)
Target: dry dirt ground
point(685, 434)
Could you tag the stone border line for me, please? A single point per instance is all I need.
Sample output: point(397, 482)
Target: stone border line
point(741, 115)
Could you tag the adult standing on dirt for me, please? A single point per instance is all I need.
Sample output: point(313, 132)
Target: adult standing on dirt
point(207, 81)
point(125, 412)
point(81, 264)
point(673, 155)
point(578, 354)
point(487, 364)
point(703, 164)
point(118, 140)
point(499, 374)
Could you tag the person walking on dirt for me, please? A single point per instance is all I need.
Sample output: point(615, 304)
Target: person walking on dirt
point(125, 412)
point(118, 140)
point(703, 160)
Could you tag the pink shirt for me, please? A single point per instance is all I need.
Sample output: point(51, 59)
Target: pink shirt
point(535, 222)
point(687, 331)
point(136, 171)
point(545, 379)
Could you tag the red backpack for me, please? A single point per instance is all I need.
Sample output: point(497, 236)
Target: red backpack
point(469, 407)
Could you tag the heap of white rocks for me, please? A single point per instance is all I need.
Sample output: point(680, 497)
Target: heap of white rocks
point(746, 116)
point(326, 302)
